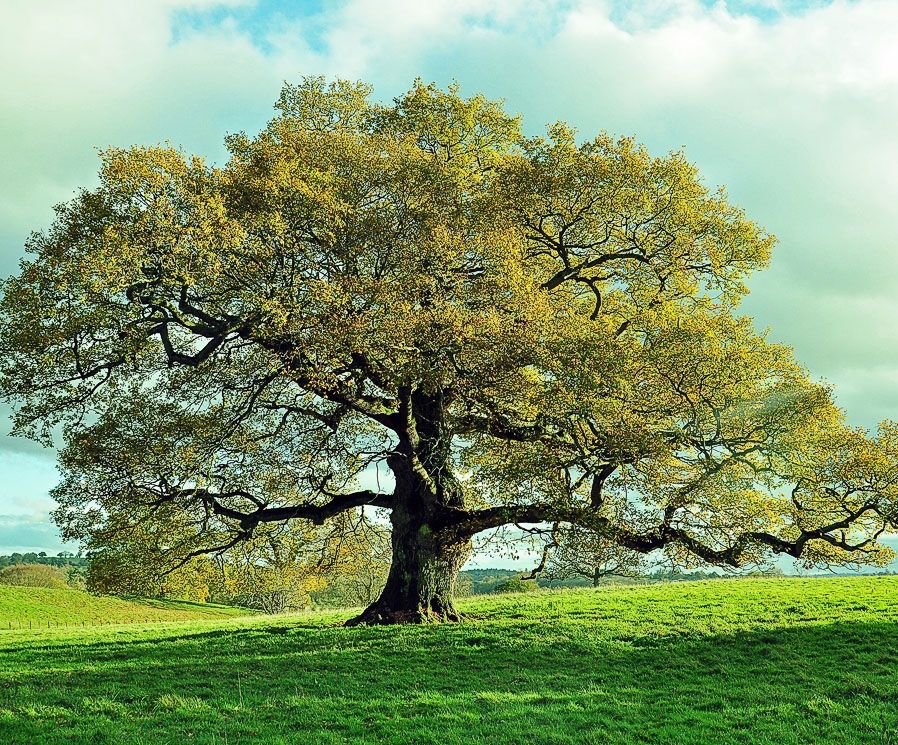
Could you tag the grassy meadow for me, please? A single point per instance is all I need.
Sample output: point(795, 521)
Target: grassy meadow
point(729, 661)
point(38, 607)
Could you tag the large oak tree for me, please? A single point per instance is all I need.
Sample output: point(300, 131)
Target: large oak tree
point(504, 329)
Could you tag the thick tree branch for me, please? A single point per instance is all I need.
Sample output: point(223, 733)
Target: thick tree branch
point(471, 522)
point(248, 520)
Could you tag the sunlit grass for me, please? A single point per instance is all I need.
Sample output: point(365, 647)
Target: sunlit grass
point(749, 661)
point(39, 607)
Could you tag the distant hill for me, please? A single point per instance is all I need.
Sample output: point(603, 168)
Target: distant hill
point(39, 606)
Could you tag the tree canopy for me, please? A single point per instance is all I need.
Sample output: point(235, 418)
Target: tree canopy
point(418, 308)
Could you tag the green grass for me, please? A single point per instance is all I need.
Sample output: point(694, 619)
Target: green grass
point(21, 607)
point(750, 661)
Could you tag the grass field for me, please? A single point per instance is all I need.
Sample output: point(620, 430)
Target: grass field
point(38, 607)
point(740, 661)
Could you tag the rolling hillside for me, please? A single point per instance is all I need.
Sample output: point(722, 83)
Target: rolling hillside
point(759, 662)
point(21, 607)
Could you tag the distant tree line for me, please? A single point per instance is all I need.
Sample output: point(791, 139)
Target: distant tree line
point(492, 580)
point(62, 559)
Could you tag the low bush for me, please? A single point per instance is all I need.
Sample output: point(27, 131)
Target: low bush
point(34, 575)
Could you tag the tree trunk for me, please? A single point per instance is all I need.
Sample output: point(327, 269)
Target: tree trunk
point(421, 584)
point(426, 560)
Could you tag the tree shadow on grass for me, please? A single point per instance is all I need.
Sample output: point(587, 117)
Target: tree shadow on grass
point(816, 683)
point(209, 609)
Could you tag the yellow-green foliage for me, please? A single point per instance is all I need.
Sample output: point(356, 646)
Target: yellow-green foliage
point(520, 329)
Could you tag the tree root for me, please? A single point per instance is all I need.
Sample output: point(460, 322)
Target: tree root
point(378, 615)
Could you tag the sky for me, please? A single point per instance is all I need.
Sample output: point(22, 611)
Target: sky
point(791, 104)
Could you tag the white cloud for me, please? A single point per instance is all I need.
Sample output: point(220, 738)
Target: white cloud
point(25, 480)
point(79, 76)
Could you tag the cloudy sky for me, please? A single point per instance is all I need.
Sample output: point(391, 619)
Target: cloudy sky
point(792, 104)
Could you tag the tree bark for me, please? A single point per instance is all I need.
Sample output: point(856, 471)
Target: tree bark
point(420, 587)
point(427, 555)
